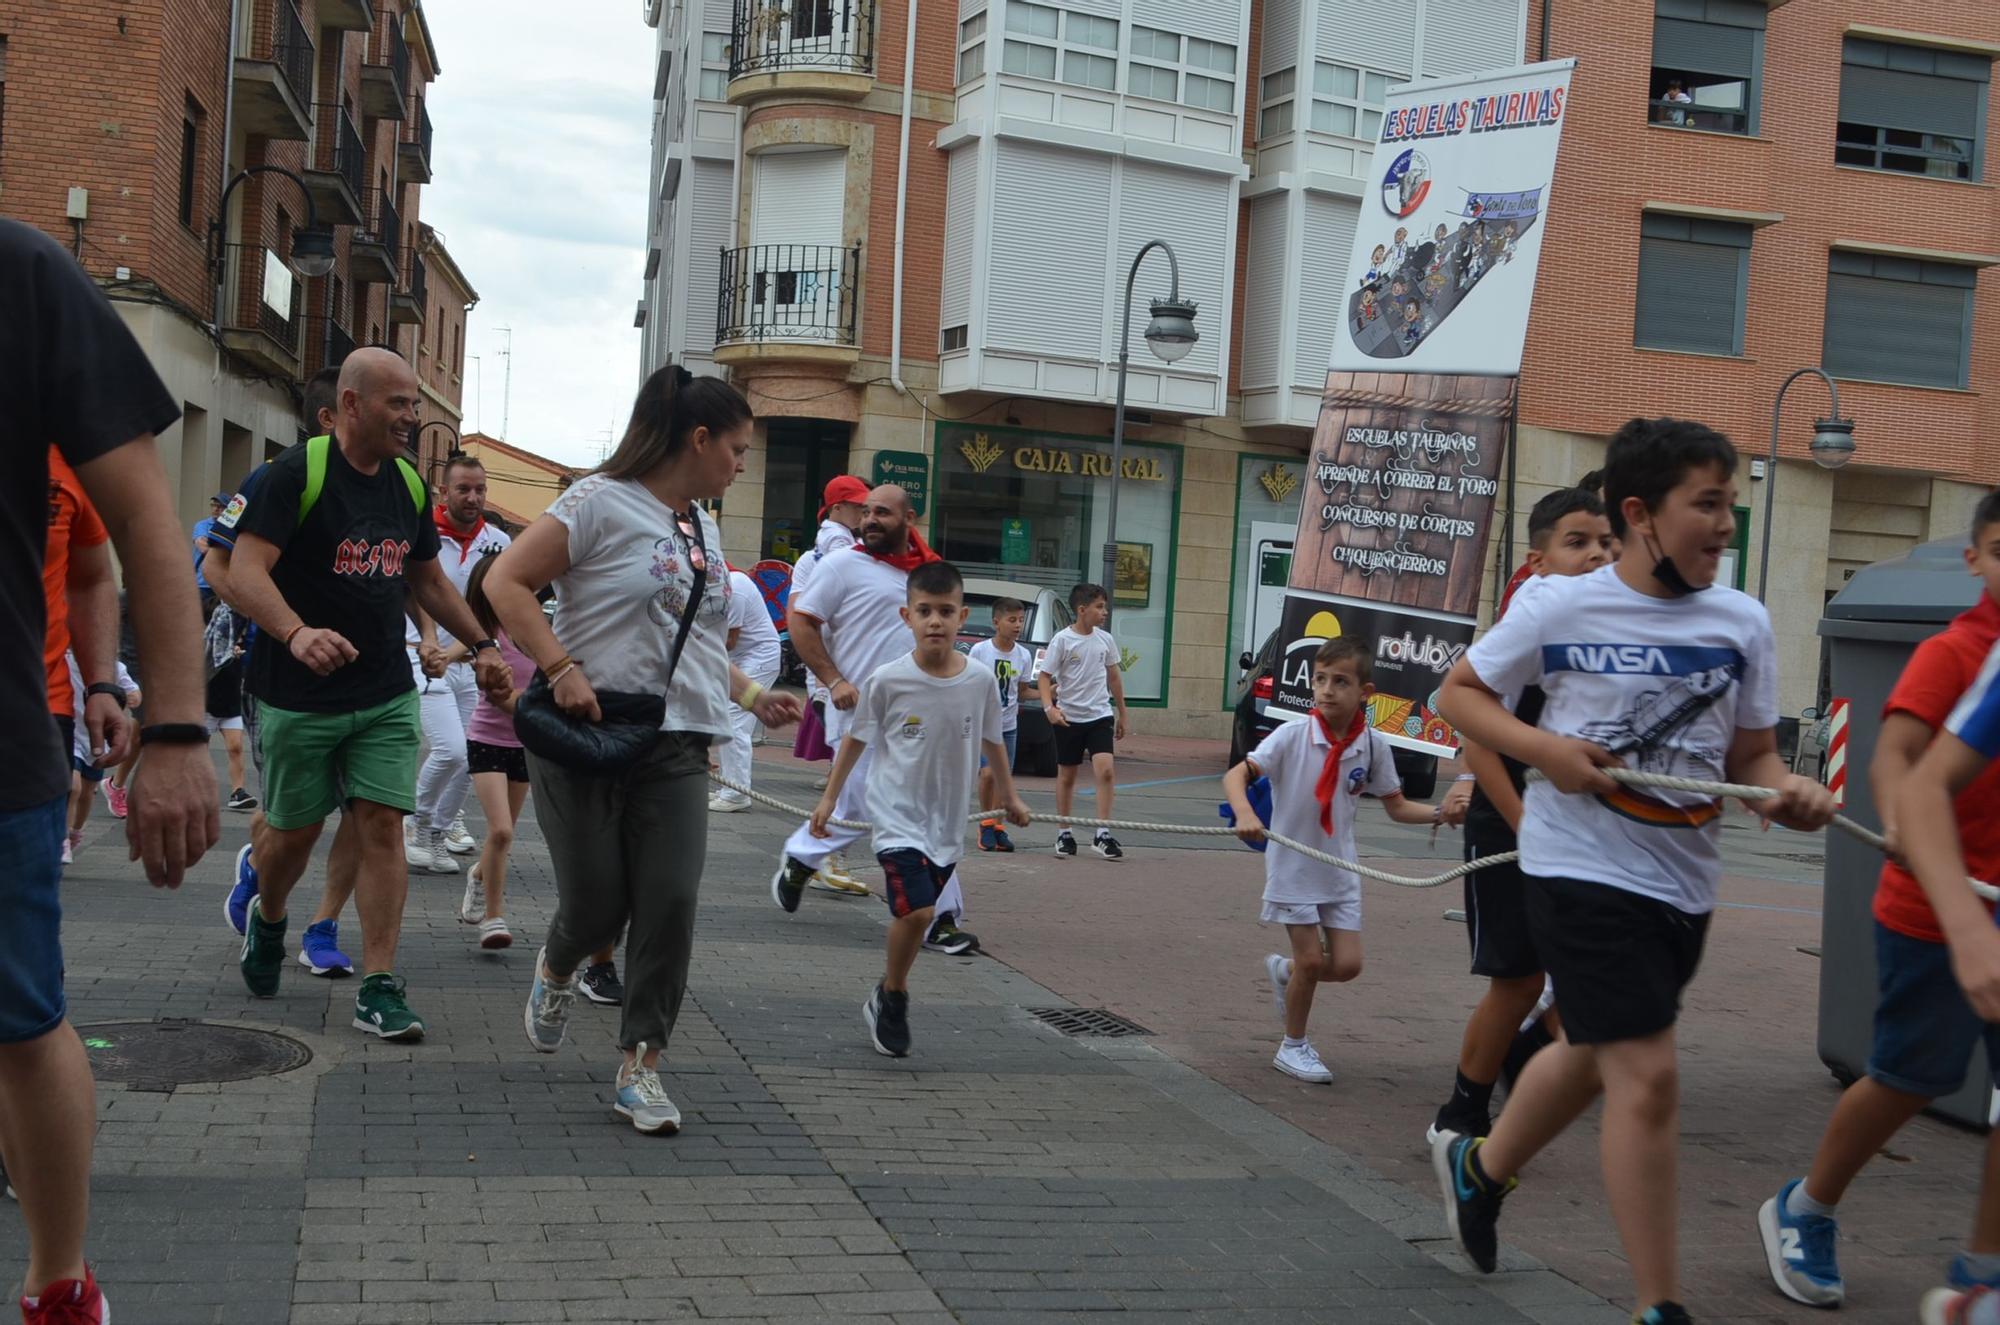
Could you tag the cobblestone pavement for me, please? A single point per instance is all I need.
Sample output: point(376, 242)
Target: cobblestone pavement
point(1003, 1173)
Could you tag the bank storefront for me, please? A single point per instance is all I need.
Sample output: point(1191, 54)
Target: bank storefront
point(1033, 507)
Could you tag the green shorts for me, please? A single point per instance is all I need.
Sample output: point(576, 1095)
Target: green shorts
point(311, 758)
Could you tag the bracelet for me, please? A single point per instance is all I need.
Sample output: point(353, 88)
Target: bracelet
point(1437, 814)
point(568, 666)
point(174, 733)
point(287, 640)
point(105, 688)
point(562, 662)
point(750, 693)
point(1466, 777)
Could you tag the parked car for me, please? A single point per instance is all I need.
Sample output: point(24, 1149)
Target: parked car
point(1035, 746)
point(1256, 717)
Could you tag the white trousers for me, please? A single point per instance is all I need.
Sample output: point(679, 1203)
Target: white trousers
point(735, 753)
point(445, 707)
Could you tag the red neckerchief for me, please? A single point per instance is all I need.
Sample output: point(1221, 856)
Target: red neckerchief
point(446, 529)
point(1329, 776)
point(914, 554)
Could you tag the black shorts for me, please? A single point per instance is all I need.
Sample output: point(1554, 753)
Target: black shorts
point(912, 882)
point(509, 759)
point(1081, 740)
point(225, 692)
point(1496, 914)
point(1619, 960)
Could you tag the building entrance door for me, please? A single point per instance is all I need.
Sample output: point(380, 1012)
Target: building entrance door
point(800, 457)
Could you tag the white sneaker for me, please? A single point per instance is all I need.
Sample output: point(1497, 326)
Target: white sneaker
point(437, 855)
point(457, 840)
point(494, 934)
point(724, 804)
point(833, 877)
point(472, 907)
point(1302, 1062)
point(416, 848)
point(1274, 967)
point(641, 1097)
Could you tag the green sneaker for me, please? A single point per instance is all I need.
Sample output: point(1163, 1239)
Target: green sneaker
point(380, 1010)
point(263, 952)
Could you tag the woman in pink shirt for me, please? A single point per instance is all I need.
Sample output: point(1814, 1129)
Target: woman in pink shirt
point(499, 774)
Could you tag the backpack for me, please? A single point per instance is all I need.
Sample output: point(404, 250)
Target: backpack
point(316, 449)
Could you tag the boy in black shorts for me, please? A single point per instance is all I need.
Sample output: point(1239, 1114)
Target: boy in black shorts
point(1647, 664)
point(1568, 535)
point(1080, 667)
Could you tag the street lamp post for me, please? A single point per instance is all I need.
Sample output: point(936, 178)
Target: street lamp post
point(312, 244)
point(1832, 447)
point(1170, 335)
point(418, 440)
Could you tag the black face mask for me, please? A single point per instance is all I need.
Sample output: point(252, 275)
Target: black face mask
point(1670, 577)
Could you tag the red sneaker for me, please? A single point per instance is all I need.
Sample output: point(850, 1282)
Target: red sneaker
point(68, 1302)
point(114, 796)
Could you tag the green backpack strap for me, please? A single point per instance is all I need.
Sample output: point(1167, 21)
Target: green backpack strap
point(316, 449)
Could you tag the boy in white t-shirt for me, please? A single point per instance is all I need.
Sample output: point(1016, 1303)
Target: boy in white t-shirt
point(1081, 669)
point(1319, 767)
point(1646, 664)
point(925, 718)
point(1010, 663)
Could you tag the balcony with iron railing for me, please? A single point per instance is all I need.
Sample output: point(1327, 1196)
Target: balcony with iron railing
point(823, 46)
point(385, 71)
point(409, 299)
point(413, 147)
point(337, 170)
point(345, 15)
point(262, 306)
point(373, 251)
point(339, 344)
point(273, 75)
point(788, 301)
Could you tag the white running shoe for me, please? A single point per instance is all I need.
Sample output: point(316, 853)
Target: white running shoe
point(416, 847)
point(457, 840)
point(1302, 1061)
point(642, 1099)
point(723, 803)
point(1274, 967)
point(833, 877)
point(472, 907)
point(494, 934)
point(437, 855)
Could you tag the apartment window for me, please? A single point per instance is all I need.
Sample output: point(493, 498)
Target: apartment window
point(1912, 109)
point(714, 81)
point(1348, 100)
point(1084, 34)
point(190, 157)
point(972, 48)
point(1168, 67)
point(1275, 115)
point(1030, 49)
point(1708, 57)
point(1693, 275)
point(1898, 319)
point(952, 338)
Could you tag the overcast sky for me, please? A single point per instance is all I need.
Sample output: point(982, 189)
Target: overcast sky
point(542, 120)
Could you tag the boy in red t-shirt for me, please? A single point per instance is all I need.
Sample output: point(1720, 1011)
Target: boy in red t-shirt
point(1925, 1030)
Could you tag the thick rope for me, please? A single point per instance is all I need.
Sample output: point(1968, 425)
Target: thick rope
point(1630, 777)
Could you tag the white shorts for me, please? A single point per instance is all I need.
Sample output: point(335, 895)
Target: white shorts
point(1345, 914)
point(216, 724)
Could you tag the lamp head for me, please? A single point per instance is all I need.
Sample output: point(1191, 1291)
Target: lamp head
point(1833, 442)
point(312, 251)
point(1171, 333)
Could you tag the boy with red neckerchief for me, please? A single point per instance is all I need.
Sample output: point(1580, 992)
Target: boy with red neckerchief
point(1318, 769)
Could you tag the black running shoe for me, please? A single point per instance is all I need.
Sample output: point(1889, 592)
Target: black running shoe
point(1065, 843)
point(600, 984)
point(1665, 1313)
point(887, 1013)
point(1471, 1207)
point(1463, 1120)
point(949, 939)
point(788, 885)
point(1107, 846)
point(240, 799)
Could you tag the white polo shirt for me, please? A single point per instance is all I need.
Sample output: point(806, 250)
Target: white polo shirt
point(456, 558)
point(1292, 757)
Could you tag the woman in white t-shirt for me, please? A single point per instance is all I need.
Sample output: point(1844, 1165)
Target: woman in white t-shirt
point(629, 548)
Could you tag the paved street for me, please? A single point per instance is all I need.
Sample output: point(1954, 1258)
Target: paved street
point(1004, 1173)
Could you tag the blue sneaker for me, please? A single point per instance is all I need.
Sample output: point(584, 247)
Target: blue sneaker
point(319, 950)
point(1471, 1207)
point(1961, 1277)
point(1799, 1250)
point(236, 907)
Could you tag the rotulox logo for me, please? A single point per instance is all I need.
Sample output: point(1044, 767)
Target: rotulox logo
point(1431, 652)
point(981, 452)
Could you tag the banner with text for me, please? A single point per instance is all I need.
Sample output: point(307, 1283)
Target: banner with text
point(1410, 653)
point(1443, 265)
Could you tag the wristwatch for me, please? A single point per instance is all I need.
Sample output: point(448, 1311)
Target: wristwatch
point(477, 645)
point(105, 688)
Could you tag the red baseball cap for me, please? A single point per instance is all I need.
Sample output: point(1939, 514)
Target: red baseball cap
point(845, 488)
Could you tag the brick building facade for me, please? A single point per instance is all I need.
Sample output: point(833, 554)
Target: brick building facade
point(152, 111)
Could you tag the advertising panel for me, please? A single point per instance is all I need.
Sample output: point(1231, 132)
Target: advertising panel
point(1410, 655)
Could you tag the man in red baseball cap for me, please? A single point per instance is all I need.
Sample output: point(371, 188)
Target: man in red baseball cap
point(840, 518)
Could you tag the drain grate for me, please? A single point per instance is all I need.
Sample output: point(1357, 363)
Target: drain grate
point(1087, 1021)
point(173, 1051)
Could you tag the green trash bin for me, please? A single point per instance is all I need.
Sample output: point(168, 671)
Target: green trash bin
point(1871, 627)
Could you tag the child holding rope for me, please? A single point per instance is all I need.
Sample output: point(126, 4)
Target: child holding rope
point(1318, 769)
point(1937, 954)
point(1647, 664)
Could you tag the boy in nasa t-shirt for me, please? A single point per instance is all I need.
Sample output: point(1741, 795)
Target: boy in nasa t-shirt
point(1646, 664)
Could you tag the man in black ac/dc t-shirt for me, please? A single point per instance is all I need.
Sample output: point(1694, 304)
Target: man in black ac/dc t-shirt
point(324, 574)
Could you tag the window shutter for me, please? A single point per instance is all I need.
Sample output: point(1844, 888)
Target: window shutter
point(1896, 330)
point(1691, 289)
point(1924, 103)
point(1708, 48)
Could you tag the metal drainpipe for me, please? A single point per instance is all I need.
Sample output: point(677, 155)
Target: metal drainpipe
point(222, 178)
